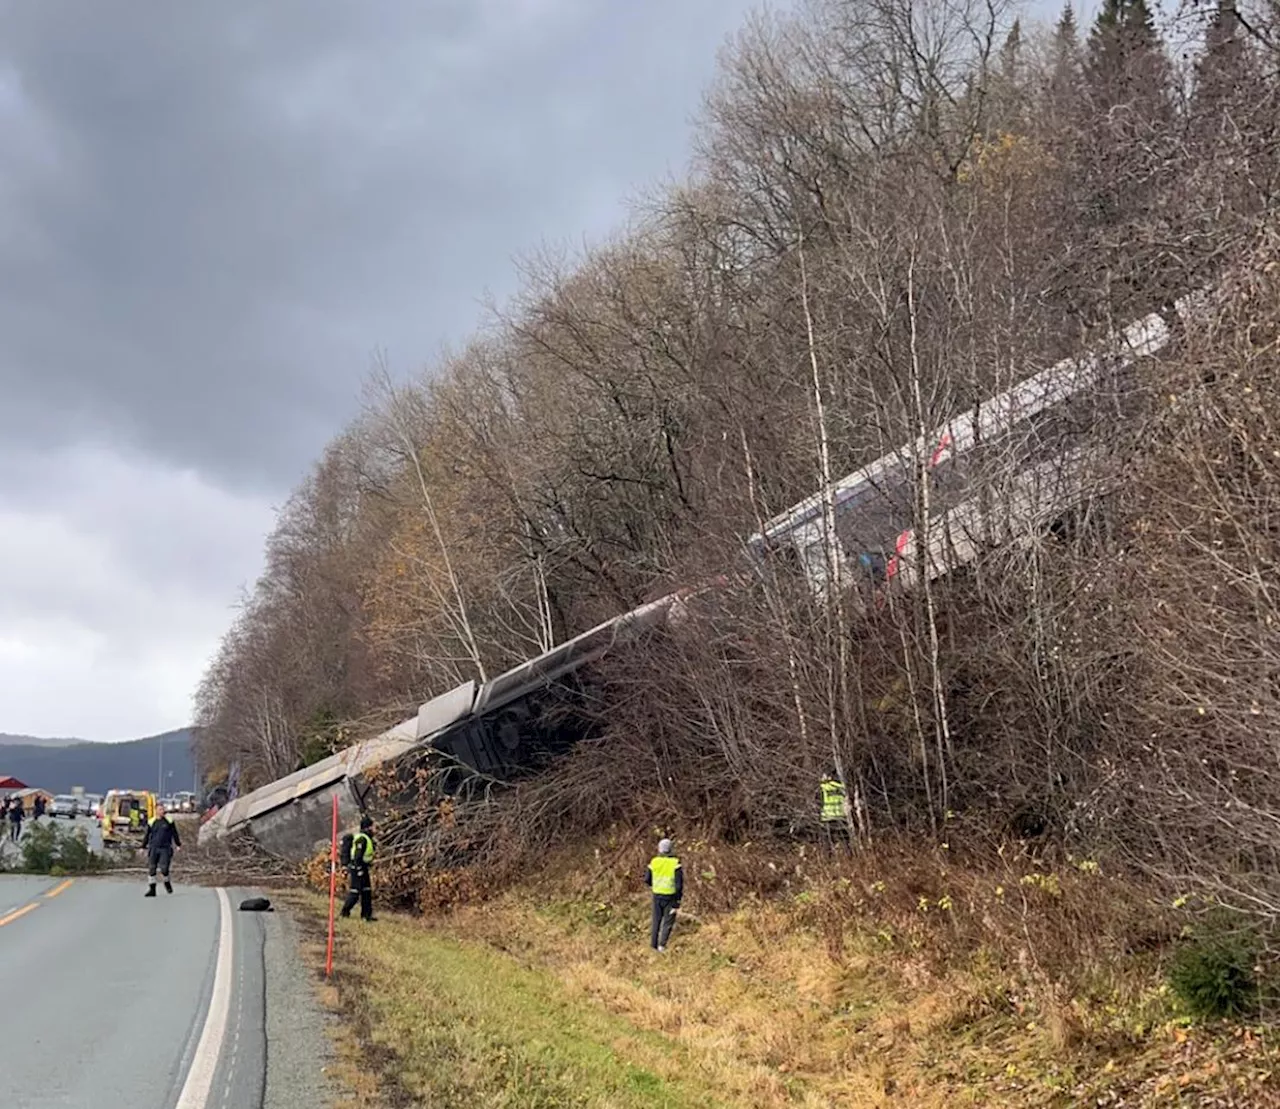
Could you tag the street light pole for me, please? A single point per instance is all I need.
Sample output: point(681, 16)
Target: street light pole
point(160, 768)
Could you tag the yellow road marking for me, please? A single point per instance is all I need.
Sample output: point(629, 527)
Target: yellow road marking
point(9, 918)
point(17, 913)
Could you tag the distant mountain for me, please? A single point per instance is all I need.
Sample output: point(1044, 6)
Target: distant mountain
point(35, 741)
point(58, 765)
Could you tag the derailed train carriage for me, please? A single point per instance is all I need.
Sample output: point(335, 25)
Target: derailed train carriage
point(1031, 446)
point(498, 730)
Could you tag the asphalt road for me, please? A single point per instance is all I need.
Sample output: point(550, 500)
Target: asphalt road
point(113, 998)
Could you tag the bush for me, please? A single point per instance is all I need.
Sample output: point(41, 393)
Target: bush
point(1213, 975)
point(47, 849)
point(74, 856)
point(39, 847)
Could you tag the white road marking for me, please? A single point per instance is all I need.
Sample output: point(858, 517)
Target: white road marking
point(199, 1083)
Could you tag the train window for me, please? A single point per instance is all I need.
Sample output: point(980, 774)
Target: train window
point(873, 565)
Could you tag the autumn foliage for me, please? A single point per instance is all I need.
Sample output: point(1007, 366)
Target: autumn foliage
point(896, 210)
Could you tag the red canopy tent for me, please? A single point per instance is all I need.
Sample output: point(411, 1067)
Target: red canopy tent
point(11, 783)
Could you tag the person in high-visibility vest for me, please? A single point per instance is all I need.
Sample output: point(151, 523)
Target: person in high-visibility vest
point(666, 879)
point(834, 810)
point(359, 885)
point(833, 799)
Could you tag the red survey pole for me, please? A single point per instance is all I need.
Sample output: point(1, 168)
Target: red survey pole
point(333, 887)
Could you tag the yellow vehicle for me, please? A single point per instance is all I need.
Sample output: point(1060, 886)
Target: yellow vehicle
point(125, 816)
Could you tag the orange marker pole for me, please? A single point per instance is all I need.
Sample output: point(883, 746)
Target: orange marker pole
point(333, 887)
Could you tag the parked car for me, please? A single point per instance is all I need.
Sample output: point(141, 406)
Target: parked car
point(91, 805)
point(65, 804)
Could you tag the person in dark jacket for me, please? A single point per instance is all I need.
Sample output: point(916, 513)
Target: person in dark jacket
point(160, 841)
point(359, 884)
point(16, 813)
point(666, 879)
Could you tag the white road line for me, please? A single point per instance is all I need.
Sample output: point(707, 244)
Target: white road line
point(195, 1090)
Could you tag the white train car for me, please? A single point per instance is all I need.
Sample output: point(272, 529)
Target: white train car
point(1035, 427)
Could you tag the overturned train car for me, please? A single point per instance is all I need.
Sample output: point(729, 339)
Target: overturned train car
point(496, 731)
point(996, 473)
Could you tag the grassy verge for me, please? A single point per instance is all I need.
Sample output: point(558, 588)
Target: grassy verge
point(453, 1023)
point(530, 1001)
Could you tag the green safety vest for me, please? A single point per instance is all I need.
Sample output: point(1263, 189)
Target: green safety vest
point(832, 800)
point(362, 849)
point(663, 868)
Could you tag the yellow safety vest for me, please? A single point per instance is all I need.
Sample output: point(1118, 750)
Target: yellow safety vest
point(362, 856)
point(663, 868)
point(832, 800)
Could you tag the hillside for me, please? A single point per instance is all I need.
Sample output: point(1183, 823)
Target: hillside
point(58, 766)
point(860, 255)
point(7, 740)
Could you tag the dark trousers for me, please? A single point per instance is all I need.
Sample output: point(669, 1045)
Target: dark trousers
point(359, 888)
point(159, 858)
point(15, 830)
point(835, 833)
point(664, 919)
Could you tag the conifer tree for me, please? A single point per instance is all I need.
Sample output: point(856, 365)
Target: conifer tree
point(1066, 43)
point(1006, 92)
point(1227, 75)
point(1062, 92)
point(1233, 127)
point(1011, 53)
point(1125, 64)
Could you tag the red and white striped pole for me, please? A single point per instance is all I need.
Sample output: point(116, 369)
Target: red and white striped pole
point(333, 887)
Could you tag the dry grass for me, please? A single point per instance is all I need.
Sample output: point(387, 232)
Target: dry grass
point(838, 990)
point(354, 1076)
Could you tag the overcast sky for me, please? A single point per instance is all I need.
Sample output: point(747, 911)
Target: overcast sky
point(210, 216)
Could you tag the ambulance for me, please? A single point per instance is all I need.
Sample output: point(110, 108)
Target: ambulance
point(125, 815)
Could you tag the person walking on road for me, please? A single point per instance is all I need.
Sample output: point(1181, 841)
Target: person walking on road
point(160, 841)
point(666, 879)
point(359, 885)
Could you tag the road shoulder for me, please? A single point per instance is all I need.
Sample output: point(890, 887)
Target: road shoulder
point(300, 1048)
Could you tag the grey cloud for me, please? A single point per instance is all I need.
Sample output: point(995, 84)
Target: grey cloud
point(211, 214)
point(120, 547)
